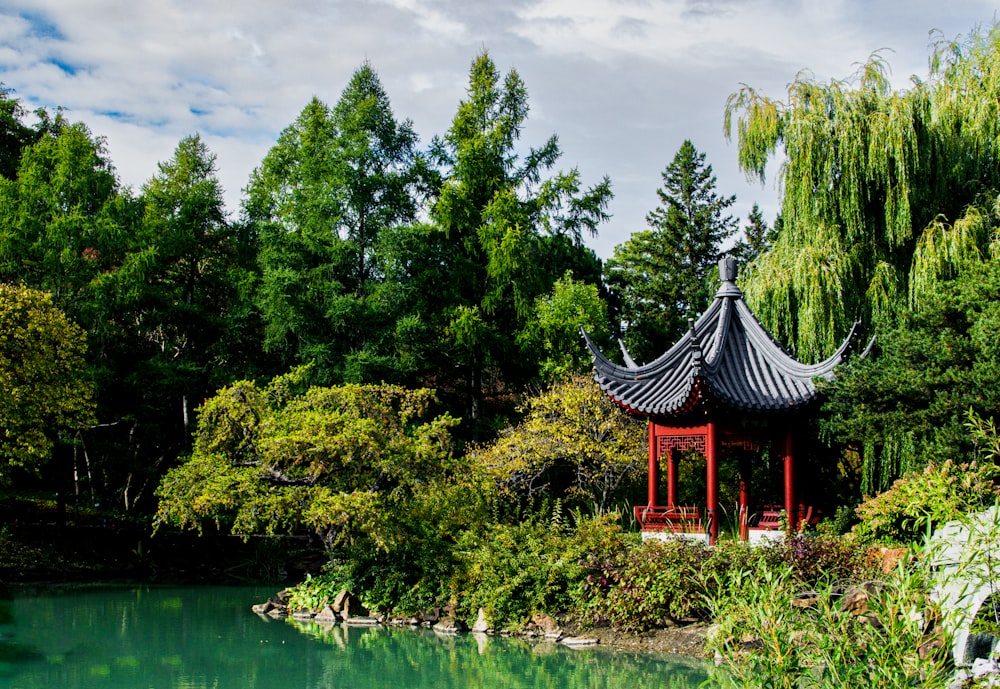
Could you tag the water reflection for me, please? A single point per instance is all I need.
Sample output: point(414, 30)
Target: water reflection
point(206, 638)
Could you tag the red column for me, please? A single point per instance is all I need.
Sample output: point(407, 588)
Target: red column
point(713, 483)
point(653, 495)
point(790, 507)
point(672, 477)
point(745, 470)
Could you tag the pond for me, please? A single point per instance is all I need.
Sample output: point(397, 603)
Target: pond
point(207, 638)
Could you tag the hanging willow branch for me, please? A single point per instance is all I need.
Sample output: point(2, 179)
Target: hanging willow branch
point(870, 179)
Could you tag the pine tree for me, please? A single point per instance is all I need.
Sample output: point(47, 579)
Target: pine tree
point(660, 277)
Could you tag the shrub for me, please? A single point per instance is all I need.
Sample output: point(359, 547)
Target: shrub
point(767, 641)
point(514, 570)
point(921, 500)
point(662, 582)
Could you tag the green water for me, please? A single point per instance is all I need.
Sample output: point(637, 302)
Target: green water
point(207, 638)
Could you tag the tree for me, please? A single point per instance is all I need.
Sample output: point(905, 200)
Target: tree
point(659, 277)
point(497, 220)
point(574, 441)
point(321, 200)
point(177, 320)
point(554, 332)
point(15, 135)
point(64, 221)
point(908, 405)
point(341, 461)
point(757, 238)
point(885, 192)
point(42, 378)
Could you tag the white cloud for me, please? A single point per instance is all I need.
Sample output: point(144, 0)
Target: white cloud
point(623, 82)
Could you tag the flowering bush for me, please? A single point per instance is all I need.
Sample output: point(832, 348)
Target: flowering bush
point(921, 500)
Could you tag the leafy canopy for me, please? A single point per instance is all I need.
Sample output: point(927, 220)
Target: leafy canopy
point(44, 389)
point(574, 441)
point(885, 192)
point(907, 405)
point(340, 461)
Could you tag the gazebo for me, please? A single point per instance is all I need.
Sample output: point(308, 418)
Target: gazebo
point(726, 382)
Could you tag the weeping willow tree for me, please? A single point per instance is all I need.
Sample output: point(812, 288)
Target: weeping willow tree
point(885, 194)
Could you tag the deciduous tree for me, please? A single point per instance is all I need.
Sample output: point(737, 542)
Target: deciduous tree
point(335, 182)
point(498, 218)
point(43, 385)
point(340, 461)
point(885, 191)
point(907, 405)
point(573, 441)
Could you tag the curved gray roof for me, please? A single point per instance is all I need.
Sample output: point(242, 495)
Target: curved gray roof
point(726, 356)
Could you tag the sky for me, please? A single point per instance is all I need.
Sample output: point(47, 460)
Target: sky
point(621, 82)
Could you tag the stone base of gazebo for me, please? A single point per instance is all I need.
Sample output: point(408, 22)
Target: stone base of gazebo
point(755, 537)
point(675, 536)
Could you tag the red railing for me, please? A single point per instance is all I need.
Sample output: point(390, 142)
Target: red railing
point(674, 519)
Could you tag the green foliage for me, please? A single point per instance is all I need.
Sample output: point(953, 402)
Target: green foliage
point(554, 333)
point(573, 442)
point(514, 570)
point(660, 277)
point(885, 192)
point(64, 221)
point(663, 582)
point(502, 232)
point(768, 642)
point(313, 593)
point(342, 462)
point(15, 135)
point(922, 500)
point(323, 200)
point(907, 405)
point(42, 378)
point(757, 237)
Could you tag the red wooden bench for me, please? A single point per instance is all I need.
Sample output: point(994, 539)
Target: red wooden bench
point(771, 517)
point(675, 519)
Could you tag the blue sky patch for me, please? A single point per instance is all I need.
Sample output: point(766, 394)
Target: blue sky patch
point(42, 26)
point(66, 67)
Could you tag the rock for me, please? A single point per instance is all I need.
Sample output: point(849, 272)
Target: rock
point(326, 614)
point(934, 647)
point(855, 600)
point(806, 600)
point(481, 626)
point(354, 608)
point(546, 624)
point(430, 617)
point(984, 667)
point(579, 641)
point(303, 614)
point(361, 621)
point(263, 608)
point(347, 605)
point(278, 612)
point(449, 625)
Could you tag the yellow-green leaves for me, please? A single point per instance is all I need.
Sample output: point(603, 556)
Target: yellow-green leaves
point(338, 460)
point(42, 385)
point(882, 190)
point(572, 435)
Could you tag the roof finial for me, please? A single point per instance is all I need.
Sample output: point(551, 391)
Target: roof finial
point(727, 273)
point(727, 268)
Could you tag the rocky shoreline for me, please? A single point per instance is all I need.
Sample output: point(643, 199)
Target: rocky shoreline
point(347, 609)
